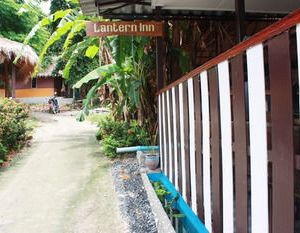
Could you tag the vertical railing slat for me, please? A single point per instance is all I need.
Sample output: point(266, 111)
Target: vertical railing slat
point(186, 142)
point(175, 137)
point(215, 151)
point(181, 117)
point(258, 139)
point(170, 137)
point(226, 143)
point(282, 134)
point(192, 144)
point(206, 151)
point(160, 131)
point(167, 145)
point(240, 144)
point(164, 133)
point(178, 146)
point(198, 147)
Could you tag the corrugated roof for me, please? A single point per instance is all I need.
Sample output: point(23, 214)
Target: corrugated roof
point(146, 7)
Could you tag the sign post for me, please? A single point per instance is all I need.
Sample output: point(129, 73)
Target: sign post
point(125, 28)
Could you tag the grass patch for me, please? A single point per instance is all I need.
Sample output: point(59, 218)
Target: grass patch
point(31, 123)
point(96, 118)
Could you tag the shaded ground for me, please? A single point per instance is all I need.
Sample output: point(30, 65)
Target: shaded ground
point(62, 184)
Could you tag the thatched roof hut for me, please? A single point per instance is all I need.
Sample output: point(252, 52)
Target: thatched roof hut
point(9, 50)
point(48, 72)
point(23, 69)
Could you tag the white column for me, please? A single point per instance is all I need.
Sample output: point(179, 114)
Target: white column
point(160, 131)
point(226, 144)
point(258, 140)
point(170, 138)
point(181, 115)
point(206, 151)
point(164, 132)
point(175, 136)
point(192, 144)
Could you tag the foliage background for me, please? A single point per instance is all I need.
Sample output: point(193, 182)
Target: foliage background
point(13, 129)
point(15, 25)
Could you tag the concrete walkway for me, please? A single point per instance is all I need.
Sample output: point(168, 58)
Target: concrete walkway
point(62, 183)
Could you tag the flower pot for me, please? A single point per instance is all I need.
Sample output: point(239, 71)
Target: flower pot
point(152, 160)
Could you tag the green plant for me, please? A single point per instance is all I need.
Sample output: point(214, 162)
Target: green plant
point(116, 134)
point(3, 152)
point(13, 128)
point(169, 205)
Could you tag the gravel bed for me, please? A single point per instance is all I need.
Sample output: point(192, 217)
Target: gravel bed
point(134, 205)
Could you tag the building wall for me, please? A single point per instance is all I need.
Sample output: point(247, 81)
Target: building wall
point(25, 83)
point(2, 92)
point(44, 87)
point(34, 92)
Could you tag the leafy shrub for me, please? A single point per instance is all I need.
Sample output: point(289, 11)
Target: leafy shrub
point(13, 118)
point(3, 152)
point(120, 134)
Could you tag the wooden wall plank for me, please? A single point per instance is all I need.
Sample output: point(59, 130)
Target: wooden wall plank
point(283, 167)
point(198, 147)
point(186, 142)
point(274, 29)
point(240, 144)
point(298, 55)
point(215, 151)
point(258, 140)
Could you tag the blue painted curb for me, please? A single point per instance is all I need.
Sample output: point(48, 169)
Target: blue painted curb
point(136, 148)
point(191, 222)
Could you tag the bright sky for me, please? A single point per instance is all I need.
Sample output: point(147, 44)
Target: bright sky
point(45, 6)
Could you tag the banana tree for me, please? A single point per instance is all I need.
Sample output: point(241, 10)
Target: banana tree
point(124, 66)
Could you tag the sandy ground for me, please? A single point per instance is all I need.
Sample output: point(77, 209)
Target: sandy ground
point(62, 183)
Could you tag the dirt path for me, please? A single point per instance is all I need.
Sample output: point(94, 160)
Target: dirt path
point(61, 185)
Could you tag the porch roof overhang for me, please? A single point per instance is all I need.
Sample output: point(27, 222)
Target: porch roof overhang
point(131, 9)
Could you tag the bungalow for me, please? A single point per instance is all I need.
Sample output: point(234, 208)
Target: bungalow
point(16, 79)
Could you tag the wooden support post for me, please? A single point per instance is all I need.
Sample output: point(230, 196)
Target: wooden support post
point(240, 19)
point(159, 56)
point(6, 83)
point(13, 81)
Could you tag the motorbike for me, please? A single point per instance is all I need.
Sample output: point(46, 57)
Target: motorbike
point(53, 105)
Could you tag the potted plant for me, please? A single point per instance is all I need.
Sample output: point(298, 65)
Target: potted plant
point(152, 156)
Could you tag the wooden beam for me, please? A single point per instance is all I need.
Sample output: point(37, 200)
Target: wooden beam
point(13, 80)
point(240, 19)
point(6, 78)
point(159, 57)
point(280, 26)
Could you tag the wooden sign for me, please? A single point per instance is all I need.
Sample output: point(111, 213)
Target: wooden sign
point(126, 28)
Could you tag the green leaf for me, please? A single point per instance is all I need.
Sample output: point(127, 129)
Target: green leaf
point(60, 14)
point(102, 71)
point(92, 51)
point(77, 27)
point(81, 46)
point(42, 23)
point(178, 215)
point(45, 22)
